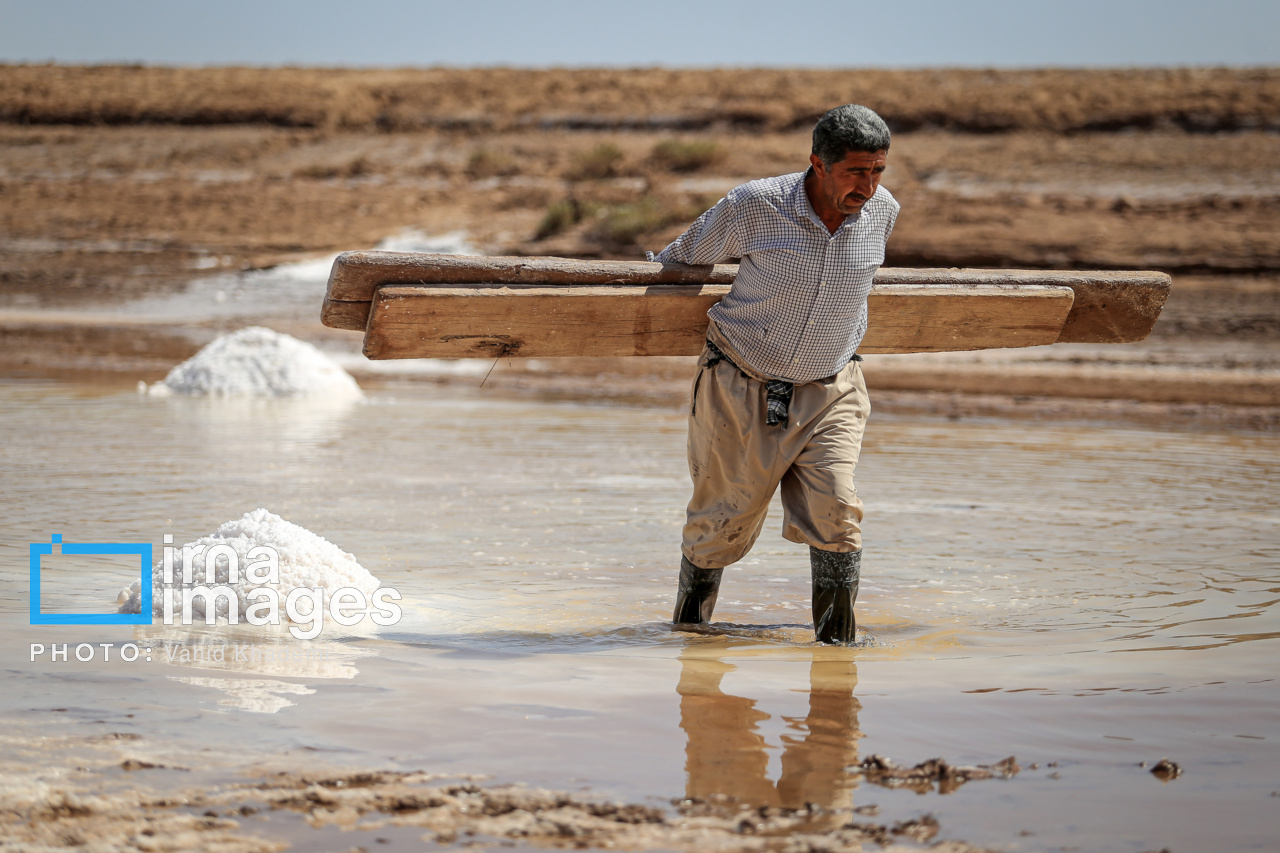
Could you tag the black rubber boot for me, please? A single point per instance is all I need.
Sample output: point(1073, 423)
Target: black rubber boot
point(696, 597)
point(835, 589)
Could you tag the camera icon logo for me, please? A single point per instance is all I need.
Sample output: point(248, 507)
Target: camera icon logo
point(141, 549)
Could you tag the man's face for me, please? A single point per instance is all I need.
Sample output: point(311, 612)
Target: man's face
point(848, 184)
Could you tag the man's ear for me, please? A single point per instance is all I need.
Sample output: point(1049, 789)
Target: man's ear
point(818, 167)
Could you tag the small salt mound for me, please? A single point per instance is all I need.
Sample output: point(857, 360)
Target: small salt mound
point(306, 561)
point(259, 362)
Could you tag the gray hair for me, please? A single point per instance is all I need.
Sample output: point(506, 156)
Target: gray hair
point(849, 128)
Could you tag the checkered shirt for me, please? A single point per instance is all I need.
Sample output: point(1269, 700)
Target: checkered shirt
point(798, 308)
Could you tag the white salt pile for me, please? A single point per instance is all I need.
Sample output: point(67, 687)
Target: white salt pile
point(258, 362)
point(306, 561)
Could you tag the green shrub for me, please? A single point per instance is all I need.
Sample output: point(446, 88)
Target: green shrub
point(600, 162)
point(560, 216)
point(353, 168)
point(687, 155)
point(484, 163)
point(623, 224)
point(616, 224)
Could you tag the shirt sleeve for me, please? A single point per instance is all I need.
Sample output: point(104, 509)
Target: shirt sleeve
point(711, 239)
point(893, 220)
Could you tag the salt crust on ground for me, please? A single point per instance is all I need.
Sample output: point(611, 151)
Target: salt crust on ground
point(306, 561)
point(258, 362)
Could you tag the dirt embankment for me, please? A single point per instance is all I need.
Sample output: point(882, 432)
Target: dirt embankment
point(1058, 100)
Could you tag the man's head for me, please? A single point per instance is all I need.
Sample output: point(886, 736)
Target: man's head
point(849, 128)
point(850, 145)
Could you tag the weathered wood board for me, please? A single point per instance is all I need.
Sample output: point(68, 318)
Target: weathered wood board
point(409, 321)
point(418, 305)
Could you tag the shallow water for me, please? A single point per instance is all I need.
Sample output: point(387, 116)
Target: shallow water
point(1083, 595)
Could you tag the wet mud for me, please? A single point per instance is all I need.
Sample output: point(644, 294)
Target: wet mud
point(935, 774)
point(368, 807)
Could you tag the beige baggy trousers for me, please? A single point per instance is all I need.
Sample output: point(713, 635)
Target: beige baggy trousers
point(737, 462)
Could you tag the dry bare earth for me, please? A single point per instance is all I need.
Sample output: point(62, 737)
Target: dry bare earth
point(760, 100)
point(116, 181)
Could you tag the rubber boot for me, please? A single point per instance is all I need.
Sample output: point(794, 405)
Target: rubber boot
point(696, 596)
point(835, 589)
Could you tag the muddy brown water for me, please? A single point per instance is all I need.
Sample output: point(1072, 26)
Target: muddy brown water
point(1086, 597)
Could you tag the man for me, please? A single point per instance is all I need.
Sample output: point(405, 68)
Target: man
point(779, 397)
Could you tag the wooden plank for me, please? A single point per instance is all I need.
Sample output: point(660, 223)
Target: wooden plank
point(1110, 306)
point(951, 318)
point(412, 321)
point(355, 275)
point(345, 315)
point(486, 321)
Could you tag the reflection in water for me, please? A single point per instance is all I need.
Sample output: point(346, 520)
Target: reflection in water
point(257, 696)
point(252, 651)
point(240, 660)
point(290, 426)
point(725, 754)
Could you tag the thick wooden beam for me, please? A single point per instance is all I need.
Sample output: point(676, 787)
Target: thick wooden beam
point(355, 275)
point(1109, 307)
point(414, 321)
